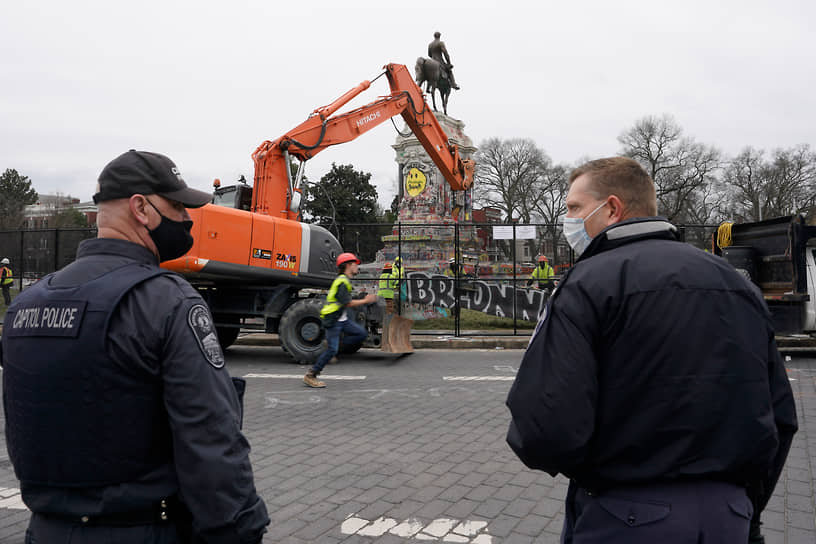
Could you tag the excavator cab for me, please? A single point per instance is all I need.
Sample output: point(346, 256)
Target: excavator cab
point(233, 196)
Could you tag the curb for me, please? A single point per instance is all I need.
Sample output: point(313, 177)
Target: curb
point(417, 341)
point(785, 344)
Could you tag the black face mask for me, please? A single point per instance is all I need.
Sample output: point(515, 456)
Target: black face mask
point(172, 238)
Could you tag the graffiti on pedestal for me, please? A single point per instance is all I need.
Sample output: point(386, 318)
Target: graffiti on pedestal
point(415, 181)
point(487, 297)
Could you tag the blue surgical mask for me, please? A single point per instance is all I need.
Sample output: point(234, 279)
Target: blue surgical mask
point(575, 231)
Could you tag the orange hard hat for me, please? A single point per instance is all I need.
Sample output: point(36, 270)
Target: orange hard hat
point(387, 265)
point(543, 259)
point(347, 258)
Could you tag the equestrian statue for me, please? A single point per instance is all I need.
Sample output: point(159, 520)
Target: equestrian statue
point(436, 72)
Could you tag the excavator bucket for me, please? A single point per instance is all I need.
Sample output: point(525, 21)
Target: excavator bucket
point(396, 337)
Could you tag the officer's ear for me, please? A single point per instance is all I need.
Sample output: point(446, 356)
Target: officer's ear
point(615, 211)
point(138, 205)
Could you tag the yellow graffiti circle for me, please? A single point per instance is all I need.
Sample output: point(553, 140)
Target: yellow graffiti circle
point(415, 182)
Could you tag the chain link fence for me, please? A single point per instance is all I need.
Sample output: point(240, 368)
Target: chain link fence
point(488, 291)
point(36, 253)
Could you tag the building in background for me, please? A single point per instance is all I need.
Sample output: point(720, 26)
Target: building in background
point(52, 211)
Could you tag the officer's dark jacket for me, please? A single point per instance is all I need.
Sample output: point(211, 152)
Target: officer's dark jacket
point(653, 360)
point(132, 364)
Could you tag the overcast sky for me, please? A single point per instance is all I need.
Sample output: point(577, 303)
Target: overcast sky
point(206, 82)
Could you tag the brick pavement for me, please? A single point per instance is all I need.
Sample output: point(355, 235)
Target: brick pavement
point(404, 456)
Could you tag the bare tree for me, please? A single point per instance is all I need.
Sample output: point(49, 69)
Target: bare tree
point(792, 177)
point(763, 188)
point(508, 174)
point(744, 177)
point(680, 167)
point(552, 205)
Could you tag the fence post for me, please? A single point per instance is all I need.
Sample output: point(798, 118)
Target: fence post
point(402, 273)
point(56, 248)
point(457, 323)
point(22, 258)
point(515, 325)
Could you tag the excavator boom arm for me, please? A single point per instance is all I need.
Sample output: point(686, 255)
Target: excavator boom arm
point(274, 189)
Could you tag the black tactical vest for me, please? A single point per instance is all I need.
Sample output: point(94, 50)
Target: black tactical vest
point(72, 417)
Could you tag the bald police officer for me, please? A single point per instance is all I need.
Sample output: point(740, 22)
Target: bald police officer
point(653, 380)
point(121, 421)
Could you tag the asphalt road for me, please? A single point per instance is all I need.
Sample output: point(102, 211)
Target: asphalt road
point(411, 449)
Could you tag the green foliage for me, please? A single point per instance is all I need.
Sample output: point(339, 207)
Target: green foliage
point(70, 217)
point(15, 194)
point(342, 196)
point(471, 319)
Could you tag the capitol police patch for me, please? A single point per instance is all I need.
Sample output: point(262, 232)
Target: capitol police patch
point(202, 326)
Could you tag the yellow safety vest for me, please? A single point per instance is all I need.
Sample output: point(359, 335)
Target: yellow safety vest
point(7, 276)
point(397, 278)
point(542, 274)
point(386, 285)
point(332, 305)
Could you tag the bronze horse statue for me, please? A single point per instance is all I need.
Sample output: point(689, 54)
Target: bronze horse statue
point(431, 72)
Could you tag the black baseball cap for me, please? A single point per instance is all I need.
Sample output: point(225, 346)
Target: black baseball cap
point(146, 173)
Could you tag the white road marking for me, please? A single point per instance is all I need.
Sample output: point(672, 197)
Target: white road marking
point(272, 402)
point(300, 377)
point(352, 524)
point(470, 528)
point(478, 378)
point(11, 499)
point(446, 529)
point(439, 527)
point(378, 527)
point(407, 528)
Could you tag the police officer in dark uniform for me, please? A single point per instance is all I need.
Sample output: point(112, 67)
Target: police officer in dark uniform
point(653, 380)
point(122, 423)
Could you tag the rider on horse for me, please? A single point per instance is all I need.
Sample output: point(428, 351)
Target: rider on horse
point(438, 52)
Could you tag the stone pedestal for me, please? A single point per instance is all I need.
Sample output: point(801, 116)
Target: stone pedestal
point(425, 197)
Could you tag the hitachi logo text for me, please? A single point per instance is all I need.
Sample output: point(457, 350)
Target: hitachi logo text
point(368, 118)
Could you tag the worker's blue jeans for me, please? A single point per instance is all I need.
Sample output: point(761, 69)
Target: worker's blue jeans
point(353, 334)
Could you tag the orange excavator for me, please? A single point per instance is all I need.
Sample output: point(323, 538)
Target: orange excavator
point(253, 259)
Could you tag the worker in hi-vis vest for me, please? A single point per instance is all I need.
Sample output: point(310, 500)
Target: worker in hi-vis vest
point(386, 287)
point(399, 283)
point(542, 275)
point(454, 269)
point(6, 280)
point(335, 318)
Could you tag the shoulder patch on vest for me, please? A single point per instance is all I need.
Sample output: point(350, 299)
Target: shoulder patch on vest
point(202, 326)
